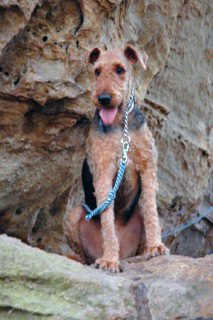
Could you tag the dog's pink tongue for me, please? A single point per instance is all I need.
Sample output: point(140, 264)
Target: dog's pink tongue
point(108, 115)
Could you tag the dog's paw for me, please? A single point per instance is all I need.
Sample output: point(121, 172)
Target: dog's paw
point(155, 251)
point(106, 264)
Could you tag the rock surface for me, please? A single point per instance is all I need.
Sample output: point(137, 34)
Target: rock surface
point(45, 108)
point(40, 285)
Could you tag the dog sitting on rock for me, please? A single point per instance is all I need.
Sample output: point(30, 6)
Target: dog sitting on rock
point(130, 225)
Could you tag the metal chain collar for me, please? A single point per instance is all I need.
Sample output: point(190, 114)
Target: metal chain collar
point(125, 141)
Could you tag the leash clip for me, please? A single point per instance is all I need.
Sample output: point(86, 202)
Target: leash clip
point(124, 158)
point(126, 143)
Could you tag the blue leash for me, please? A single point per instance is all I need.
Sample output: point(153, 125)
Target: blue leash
point(187, 224)
point(110, 197)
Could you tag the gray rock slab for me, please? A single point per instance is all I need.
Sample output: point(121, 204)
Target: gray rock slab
point(39, 285)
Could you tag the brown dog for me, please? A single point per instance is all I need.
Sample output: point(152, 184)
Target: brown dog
point(130, 226)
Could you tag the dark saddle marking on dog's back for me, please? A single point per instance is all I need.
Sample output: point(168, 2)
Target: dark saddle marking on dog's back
point(137, 120)
point(87, 180)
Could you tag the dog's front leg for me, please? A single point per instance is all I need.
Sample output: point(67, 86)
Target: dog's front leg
point(154, 245)
point(146, 162)
point(110, 259)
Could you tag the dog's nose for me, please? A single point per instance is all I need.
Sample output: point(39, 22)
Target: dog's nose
point(104, 99)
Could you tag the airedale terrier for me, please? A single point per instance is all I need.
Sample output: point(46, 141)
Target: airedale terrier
point(130, 226)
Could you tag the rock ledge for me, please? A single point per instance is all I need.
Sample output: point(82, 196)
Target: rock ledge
point(39, 285)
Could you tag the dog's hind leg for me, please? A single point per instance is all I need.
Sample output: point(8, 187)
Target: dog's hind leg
point(71, 229)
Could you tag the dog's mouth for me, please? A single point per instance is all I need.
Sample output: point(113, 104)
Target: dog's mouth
point(108, 115)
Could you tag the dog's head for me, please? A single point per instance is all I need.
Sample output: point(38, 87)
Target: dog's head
point(113, 70)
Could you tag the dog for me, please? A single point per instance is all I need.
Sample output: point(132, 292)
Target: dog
point(130, 226)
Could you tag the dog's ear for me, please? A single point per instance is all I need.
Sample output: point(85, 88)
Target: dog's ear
point(134, 56)
point(94, 55)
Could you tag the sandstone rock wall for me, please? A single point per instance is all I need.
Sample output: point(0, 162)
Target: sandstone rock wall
point(45, 107)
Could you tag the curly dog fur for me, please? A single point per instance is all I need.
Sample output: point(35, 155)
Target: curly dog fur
point(131, 225)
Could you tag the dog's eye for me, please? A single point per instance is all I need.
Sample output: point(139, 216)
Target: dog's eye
point(119, 70)
point(97, 72)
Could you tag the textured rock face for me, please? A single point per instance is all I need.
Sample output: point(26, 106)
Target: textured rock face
point(45, 107)
point(39, 285)
point(181, 94)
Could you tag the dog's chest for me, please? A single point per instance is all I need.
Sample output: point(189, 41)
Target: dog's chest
point(105, 148)
point(104, 153)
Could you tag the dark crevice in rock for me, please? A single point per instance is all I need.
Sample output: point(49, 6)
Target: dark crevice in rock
point(16, 81)
point(44, 38)
point(19, 210)
point(81, 18)
point(28, 124)
point(164, 110)
point(139, 291)
point(51, 109)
